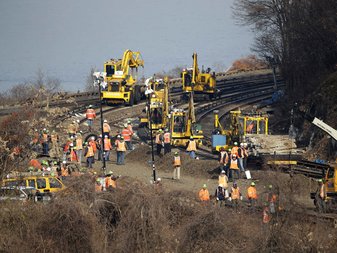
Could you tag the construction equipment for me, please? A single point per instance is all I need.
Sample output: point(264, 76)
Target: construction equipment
point(121, 79)
point(202, 83)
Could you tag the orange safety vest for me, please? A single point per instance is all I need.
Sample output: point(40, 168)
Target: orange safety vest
point(192, 146)
point(106, 128)
point(73, 156)
point(223, 157)
point(234, 164)
point(79, 143)
point(90, 152)
point(98, 187)
point(64, 172)
point(224, 181)
point(121, 146)
point(251, 192)
point(90, 114)
point(110, 182)
point(167, 137)
point(93, 145)
point(266, 217)
point(235, 193)
point(158, 139)
point(204, 195)
point(235, 150)
point(177, 161)
point(126, 134)
point(107, 144)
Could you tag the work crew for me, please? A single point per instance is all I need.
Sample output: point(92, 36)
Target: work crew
point(240, 157)
point(167, 141)
point(45, 141)
point(121, 149)
point(106, 128)
point(89, 154)
point(223, 160)
point(79, 147)
point(204, 194)
point(235, 196)
point(98, 185)
point(252, 196)
point(107, 147)
point(223, 180)
point(234, 168)
point(235, 148)
point(159, 141)
point(220, 195)
point(90, 115)
point(54, 138)
point(321, 195)
point(131, 133)
point(176, 166)
point(191, 147)
point(72, 129)
point(126, 134)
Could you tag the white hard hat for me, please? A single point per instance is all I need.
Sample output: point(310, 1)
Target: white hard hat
point(126, 125)
point(78, 121)
point(241, 144)
point(92, 137)
point(158, 179)
point(105, 121)
point(245, 144)
point(64, 162)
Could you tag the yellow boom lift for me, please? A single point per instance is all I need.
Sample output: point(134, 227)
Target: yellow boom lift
point(121, 79)
point(202, 83)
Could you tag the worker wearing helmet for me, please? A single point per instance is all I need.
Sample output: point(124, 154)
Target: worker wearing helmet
point(223, 179)
point(223, 160)
point(90, 115)
point(126, 134)
point(235, 196)
point(131, 133)
point(321, 196)
point(204, 194)
point(220, 195)
point(252, 195)
point(234, 168)
point(235, 148)
point(106, 128)
point(191, 147)
point(167, 141)
point(121, 149)
point(272, 199)
point(98, 185)
point(176, 166)
point(159, 141)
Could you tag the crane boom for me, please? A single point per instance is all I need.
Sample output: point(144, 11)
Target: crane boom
point(325, 127)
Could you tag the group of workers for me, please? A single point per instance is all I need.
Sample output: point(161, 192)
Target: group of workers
point(225, 196)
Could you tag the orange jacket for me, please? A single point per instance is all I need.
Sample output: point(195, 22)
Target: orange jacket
point(90, 114)
point(110, 182)
point(251, 192)
point(107, 144)
point(204, 195)
point(92, 143)
point(235, 150)
point(126, 134)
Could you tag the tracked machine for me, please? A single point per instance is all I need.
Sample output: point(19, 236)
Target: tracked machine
point(121, 79)
point(202, 83)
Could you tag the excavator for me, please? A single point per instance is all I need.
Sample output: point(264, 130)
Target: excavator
point(203, 83)
point(121, 85)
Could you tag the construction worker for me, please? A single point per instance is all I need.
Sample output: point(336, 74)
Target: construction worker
point(45, 141)
point(235, 196)
point(107, 147)
point(131, 131)
point(89, 154)
point(99, 148)
point(110, 182)
point(121, 149)
point(272, 199)
point(106, 128)
point(223, 160)
point(252, 196)
point(79, 147)
point(204, 194)
point(240, 157)
point(126, 134)
point(223, 180)
point(54, 138)
point(72, 129)
point(191, 147)
point(73, 154)
point(90, 115)
point(98, 185)
point(176, 165)
point(92, 143)
point(159, 141)
point(220, 195)
point(266, 217)
point(66, 148)
point(234, 150)
point(64, 170)
point(167, 141)
point(321, 196)
point(233, 168)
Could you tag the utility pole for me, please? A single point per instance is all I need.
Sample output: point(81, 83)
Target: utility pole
point(99, 78)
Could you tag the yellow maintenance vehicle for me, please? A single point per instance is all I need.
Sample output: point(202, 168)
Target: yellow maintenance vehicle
point(121, 85)
point(241, 124)
point(203, 83)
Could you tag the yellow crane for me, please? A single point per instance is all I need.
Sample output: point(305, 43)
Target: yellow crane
point(121, 79)
point(202, 83)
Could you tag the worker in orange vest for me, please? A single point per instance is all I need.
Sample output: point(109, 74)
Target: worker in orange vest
point(89, 154)
point(121, 149)
point(131, 132)
point(176, 165)
point(92, 143)
point(90, 115)
point(235, 149)
point(240, 157)
point(126, 134)
point(234, 168)
point(266, 217)
point(235, 196)
point(79, 147)
point(110, 181)
point(159, 141)
point(223, 180)
point(73, 154)
point(98, 185)
point(272, 200)
point(204, 194)
point(106, 128)
point(107, 147)
point(223, 160)
point(252, 196)
point(191, 147)
point(167, 141)
point(64, 170)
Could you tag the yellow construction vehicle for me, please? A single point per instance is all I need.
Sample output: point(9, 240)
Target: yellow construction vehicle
point(202, 83)
point(183, 127)
point(121, 79)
